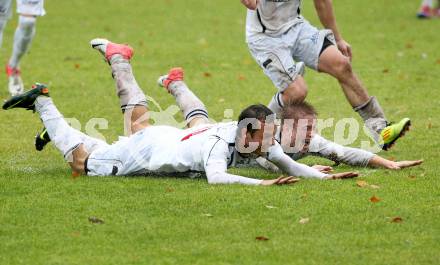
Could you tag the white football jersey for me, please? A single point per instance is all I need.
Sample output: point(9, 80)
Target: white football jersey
point(272, 17)
point(163, 149)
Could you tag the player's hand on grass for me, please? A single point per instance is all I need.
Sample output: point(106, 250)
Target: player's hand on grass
point(250, 4)
point(280, 181)
point(404, 164)
point(344, 175)
point(323, 169)
point(345, 48)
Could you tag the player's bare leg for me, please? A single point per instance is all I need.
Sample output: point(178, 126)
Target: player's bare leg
point(131, 97)
point(192, 107)
point(339, 66)
point(295, 92)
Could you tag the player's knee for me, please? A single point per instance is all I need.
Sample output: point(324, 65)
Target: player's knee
point(27, 24)
point(79, 156)
point(296, 92)
point(343, 67)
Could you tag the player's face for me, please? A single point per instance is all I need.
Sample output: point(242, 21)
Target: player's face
point(301, 134)
point(264, 137)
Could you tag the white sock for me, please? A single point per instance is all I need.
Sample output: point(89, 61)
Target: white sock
point(24, 34)
point(65, 138)
point(276, 104)
point(127, 88)
point(192, 107)
point(3, 21)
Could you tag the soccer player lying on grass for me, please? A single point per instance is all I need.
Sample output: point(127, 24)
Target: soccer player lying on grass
point(163, 149)
point(297, 130)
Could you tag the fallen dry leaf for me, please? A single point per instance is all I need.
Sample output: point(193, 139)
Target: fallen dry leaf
point(397, 219)
point(361, 183)
point(262, 238)
point(392, 158)
point(374, 199)
point(430, 125)
point(438, 61)
point(95, 220)
point(206, 74)
point(241, 77)
point(169, 190)
point(385, 71)
point(304, 220)
point(412, 177)
point(409, 46)
point(374, 186)
point(77, 66)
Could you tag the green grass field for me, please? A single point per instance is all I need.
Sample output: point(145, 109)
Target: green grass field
point(44, 212)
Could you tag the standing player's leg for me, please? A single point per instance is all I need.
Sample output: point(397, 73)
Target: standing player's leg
point(131, 97)
point(333, 62)
point(24, 34)
point(317, 49)
point(5, 14)
point(67, 140)
point(193, 109)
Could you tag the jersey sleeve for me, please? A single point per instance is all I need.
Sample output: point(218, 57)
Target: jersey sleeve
point(277, 156)
point(338, 153)
point(215, 162)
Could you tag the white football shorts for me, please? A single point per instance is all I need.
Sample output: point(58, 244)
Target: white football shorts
point(281, 57)
point(24, 7)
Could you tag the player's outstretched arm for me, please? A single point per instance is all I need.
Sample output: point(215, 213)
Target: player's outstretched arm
point(378, 161)
point(216, 157)
point(293, 168)
point(322, 147)
point(250, 4)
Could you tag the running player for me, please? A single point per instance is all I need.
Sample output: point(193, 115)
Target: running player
point(163, 149)
point(28, 12)
point(283, 42)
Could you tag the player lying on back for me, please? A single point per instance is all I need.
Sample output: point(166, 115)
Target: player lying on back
point(297, 130)
point(163, 149)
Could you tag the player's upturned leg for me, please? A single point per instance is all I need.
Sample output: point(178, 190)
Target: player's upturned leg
point(385, 134)
point(66, 139)
point(192, 107)
point(132, 99)
point(23, 36)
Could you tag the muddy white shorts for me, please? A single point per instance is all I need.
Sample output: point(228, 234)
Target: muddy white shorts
point(282, 58)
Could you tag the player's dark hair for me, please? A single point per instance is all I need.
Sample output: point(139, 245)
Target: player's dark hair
point(258, 112)
point(297, 110)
